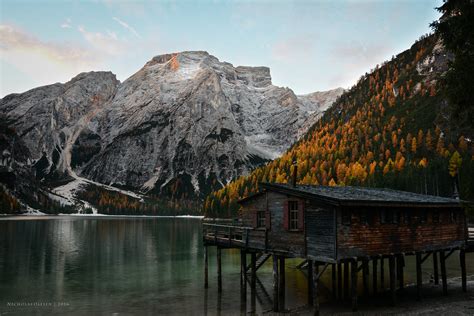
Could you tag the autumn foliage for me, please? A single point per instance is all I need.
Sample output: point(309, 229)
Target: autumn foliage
point(383, 132)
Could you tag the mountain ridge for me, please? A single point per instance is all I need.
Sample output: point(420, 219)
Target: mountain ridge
point(181, 126)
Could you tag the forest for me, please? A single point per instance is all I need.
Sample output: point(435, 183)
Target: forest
point(392, 129)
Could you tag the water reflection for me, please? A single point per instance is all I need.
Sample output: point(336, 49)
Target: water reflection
point(136, 266)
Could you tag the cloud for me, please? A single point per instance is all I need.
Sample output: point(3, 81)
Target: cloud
point(13, 39)
point(39, 62)
point(66, 24)
point(360, 52)
point(293, 49)
point(127, 27)
point(354, 58)
point(107, 44)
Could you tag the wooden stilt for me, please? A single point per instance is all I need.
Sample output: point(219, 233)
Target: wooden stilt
point(253, 263)
point(374, 276)
point(316, 292)
point(253, 300)
point(219, 270)
point(354, 284)
point(462, 259)
point(419, 279)
point(333, 279)
point(275, 283)
point(281, 287)
point(365, 277)
point(442, 259)
point(382, 274)
point(339, 281)
point(206, 268)
point(219, 304)
point(400, 267)
point(310, 282)
point(205, 303)
point(243, 276)
point(243, 306)
point(346, 280)
point(435, 268)
point(243, 259)
point(391, 268)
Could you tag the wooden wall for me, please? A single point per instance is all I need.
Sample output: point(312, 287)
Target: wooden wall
point(278, 238)
point(325, 237)
point(256, 238)
point(320, 231)
point(357, 239)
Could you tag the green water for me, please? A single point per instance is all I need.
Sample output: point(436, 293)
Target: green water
point(131, 266)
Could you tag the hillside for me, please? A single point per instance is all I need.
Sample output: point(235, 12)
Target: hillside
point(389, 130)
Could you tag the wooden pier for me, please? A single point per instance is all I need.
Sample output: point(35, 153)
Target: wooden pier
point(343, 231)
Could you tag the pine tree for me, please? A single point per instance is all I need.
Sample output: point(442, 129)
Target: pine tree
point(456, 28)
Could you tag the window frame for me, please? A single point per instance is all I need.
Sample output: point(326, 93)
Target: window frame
point(452, 216)
point(346, 217)
point(293, 215)
point(397, 216)
point(407, 217)
point(386, 216)
point(261, 219)
point(435, 217)
point(364, 217)
point(422, 216)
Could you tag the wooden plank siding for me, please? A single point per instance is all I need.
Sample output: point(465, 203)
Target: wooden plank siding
point(323, 236)
point(320, 231)
point(377, 238)
point(279, 238)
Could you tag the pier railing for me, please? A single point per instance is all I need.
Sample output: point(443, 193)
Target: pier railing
point(224, 234)
point(234, 235)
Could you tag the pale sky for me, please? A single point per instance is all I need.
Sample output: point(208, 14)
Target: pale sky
point(308, 45)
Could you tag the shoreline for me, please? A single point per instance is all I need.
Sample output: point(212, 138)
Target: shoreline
point(52, 216)
point(433, 302)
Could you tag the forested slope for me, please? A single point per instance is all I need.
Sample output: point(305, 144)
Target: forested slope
point(392, 129)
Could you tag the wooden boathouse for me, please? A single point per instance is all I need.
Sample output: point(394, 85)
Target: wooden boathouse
point(343, 228)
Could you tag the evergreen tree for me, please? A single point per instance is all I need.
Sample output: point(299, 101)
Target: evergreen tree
point(456, 28)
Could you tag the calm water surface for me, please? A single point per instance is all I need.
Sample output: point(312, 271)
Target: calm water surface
point(76, 265)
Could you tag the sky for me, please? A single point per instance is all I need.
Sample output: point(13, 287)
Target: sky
point(308, 45)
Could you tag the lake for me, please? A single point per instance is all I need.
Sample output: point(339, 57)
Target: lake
point(83, 265)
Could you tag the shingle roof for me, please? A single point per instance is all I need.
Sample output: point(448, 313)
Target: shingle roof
point(361, 195)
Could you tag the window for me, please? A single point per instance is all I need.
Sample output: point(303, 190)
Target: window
point(386, 216)
point(452, 216)
point(364, 217)
point(396, 216)
point(346, 217)
point(260, 219)
point(423, 216)
point(293, 212)
point(435, 217)
point(407, 217)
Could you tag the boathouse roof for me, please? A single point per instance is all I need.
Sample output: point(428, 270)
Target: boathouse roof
point(361, 196)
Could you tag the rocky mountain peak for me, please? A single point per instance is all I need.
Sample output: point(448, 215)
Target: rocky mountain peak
point(254, 76)
point(182, 125)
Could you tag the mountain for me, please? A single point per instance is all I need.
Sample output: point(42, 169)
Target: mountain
point(182, 126)
point(391, 129)
point(323, 100)
point(49, 119)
